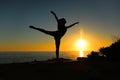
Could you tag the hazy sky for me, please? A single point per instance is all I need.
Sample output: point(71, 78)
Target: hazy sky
point(99, 22)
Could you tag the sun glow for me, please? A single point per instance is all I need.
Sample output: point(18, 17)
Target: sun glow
point(81, 45)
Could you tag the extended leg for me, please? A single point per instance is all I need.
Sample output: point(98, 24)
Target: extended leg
point(52, 33)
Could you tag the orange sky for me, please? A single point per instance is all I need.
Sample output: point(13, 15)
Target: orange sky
point(68, 43)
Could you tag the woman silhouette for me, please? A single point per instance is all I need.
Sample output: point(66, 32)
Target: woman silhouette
point(58, 34)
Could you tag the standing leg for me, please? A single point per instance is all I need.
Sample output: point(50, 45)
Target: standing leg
point(57, 43)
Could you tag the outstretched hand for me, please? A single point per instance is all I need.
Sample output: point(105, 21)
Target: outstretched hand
point(72, 24)
point(31, 26)
point(52, 12)
point(77, 23)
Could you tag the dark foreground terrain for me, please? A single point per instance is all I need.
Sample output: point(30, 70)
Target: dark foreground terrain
point(50, 70)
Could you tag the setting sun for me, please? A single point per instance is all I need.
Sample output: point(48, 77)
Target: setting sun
point(81, 44)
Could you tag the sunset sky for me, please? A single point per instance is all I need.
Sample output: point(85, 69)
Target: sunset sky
point(99, 23)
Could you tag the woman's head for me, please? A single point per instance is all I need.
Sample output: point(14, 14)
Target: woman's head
point(62, 21)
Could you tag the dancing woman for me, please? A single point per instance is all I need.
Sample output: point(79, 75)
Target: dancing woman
point(59, 33)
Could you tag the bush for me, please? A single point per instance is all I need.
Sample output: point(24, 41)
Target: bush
point(95, 56)
point(112, 52)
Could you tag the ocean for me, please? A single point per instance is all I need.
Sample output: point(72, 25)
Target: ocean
point(19, 57)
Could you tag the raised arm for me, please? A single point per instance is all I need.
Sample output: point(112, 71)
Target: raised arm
point(72, 24)
point(55, 16)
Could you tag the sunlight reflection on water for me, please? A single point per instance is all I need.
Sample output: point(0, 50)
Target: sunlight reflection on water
point(81, 53)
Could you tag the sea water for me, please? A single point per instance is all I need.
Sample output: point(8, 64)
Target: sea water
point(18, 57)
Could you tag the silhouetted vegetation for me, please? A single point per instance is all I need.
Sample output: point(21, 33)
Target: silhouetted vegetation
point(95, 56)
point(111, 53)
